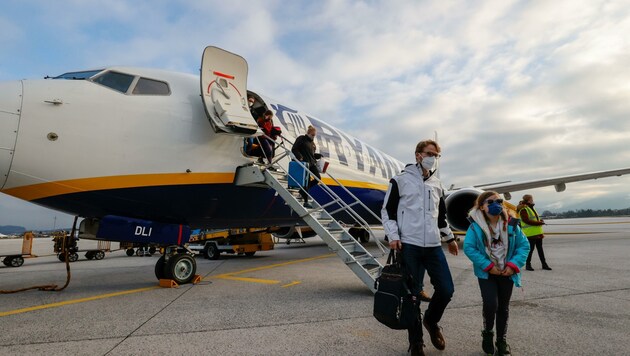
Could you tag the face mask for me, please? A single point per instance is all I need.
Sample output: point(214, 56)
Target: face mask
point(495, 209)
point(428, 163)
point(311, 136)
point(251, 103)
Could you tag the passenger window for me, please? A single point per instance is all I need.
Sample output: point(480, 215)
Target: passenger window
point(117, 81)
point(151, 87)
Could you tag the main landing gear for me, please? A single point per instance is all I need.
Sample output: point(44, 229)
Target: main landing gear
point(177, 264)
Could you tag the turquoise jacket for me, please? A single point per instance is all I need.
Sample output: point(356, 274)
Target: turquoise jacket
point(475, 249)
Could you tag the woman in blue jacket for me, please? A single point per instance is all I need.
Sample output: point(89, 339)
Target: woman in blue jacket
point(498, 249)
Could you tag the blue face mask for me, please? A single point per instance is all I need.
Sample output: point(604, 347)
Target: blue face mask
point(495, 209)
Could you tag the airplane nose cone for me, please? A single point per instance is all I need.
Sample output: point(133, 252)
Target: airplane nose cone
point(10, 109)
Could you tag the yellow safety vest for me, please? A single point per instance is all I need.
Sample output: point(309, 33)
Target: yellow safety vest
point(530, 230)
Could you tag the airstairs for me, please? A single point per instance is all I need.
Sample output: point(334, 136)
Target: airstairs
point(320, 218)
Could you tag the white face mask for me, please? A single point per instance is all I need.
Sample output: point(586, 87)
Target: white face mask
point(428, 163)
point(251, 103)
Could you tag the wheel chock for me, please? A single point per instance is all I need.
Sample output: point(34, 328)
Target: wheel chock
point(168, 283)
point(196, 279)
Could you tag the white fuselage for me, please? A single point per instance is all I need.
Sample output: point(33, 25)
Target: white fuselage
point(89, 150)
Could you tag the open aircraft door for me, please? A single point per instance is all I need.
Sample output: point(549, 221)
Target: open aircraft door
point(224, 92)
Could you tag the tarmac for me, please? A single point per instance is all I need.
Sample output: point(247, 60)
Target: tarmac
point(300, 299)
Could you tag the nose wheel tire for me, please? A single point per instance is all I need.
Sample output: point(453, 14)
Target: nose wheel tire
point(181, 268)
point(160, 268)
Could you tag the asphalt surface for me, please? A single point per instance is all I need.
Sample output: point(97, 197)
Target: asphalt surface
point(300, 299)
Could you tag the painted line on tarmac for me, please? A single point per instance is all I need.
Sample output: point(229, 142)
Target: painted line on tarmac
point(231, 275)
point(75, 301)
point(291, 284)
point(253, 280)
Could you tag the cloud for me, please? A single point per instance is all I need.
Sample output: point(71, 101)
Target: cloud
point(515, 90)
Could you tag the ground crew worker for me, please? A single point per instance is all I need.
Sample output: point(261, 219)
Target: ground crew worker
point(531, 224)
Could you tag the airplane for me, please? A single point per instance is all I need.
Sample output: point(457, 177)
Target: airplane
point(146, 155)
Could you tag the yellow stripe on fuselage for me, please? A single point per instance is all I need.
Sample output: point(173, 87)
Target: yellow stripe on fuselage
point(51, 189)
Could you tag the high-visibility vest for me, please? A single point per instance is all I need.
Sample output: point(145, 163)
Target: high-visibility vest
point(530, 230)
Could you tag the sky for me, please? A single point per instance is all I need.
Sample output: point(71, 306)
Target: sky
point(516, 90)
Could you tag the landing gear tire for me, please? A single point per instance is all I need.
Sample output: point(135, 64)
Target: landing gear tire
point(160, 268)
point(61, 258)
point(181, 268)
point(212, 252)
point(73, 257)
point(139, 252)
point(129, 252)
point(7, 261)
point(152, 250)
point(250, 254)
point(89, 255)
point(99, 255)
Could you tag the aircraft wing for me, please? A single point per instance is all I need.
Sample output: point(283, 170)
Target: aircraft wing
point(557, 182)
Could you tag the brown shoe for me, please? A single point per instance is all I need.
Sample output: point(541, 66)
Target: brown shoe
point(424, 296)
point(435, 332)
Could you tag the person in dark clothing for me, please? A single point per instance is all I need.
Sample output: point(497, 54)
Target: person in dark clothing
point(414, 220)
point(532, 224)
point(304, 150)
point(266, 124)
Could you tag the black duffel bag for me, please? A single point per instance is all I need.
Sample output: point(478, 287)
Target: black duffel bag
point(394, 304)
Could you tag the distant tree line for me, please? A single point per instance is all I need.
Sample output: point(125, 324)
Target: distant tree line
point(587, 213)
point(11, 229)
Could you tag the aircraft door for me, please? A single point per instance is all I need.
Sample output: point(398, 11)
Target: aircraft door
point(224, 92)
point(10, 106)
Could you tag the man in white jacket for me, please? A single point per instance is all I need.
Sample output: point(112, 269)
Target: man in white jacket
point(414, 219)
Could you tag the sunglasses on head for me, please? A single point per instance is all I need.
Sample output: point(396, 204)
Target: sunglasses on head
point(490, 201)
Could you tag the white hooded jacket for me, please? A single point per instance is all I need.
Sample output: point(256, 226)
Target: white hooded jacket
point(414, 210)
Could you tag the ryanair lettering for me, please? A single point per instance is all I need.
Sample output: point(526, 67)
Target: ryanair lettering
point(349, 151)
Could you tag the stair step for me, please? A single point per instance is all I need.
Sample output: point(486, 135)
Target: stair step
point(336, 235)
point(371, 267)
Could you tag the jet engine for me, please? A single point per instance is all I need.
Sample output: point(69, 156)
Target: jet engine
point(458, 204)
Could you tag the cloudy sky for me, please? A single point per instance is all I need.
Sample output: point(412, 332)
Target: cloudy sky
point(516, 90)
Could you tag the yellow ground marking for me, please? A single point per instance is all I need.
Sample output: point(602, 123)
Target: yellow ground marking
point(75, 301)
point(246, 279)
point(231, 275)
point(291, 284)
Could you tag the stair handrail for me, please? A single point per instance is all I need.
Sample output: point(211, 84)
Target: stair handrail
point(353, 214)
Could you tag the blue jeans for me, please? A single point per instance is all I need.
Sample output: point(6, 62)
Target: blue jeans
point(432, 259)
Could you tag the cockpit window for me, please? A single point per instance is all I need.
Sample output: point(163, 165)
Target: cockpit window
point(151, 87)
point(78, 75)
point(117, 81)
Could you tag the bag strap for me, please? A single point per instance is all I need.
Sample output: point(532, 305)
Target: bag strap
point(392, 257)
